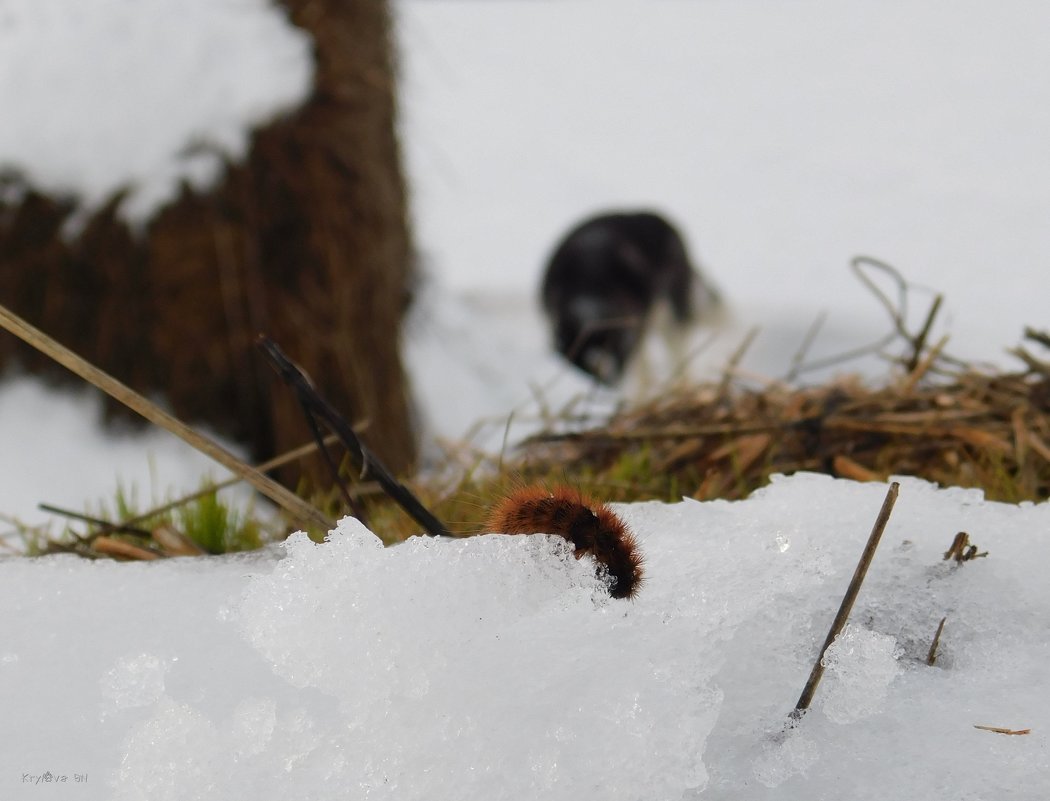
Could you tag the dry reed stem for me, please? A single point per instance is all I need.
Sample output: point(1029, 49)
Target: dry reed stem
point(124, 550)
point(847, 468)
point(265, 467)
point(299, 509)
point(852, 591)
point(1001, 730)
point(931, 657)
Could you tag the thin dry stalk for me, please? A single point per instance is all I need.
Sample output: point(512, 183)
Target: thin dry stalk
point(931, 657)
point(734, 362)
point(922, 367)
point(852, 591)
point(296, 507)
point(319, 411)
point(265, 467)
point(123, 550)
point(1001, 730)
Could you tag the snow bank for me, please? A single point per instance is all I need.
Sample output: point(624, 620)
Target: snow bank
point(99, 95)
point(497, 667)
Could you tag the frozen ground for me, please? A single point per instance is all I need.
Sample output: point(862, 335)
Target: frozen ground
point(498, 668)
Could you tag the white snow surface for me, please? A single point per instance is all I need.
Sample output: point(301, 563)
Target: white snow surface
point(498, 667)
point(99, 96)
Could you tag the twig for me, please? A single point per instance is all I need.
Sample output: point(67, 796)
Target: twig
point(734, 362)
point(128, 528)
point(299, 509)
point(962, 550)
point(112, 547)
point(506, 438)
point(265, 467)
point(370, 466)
point(896, 314)
point(1042, 337)
point(130, 525)
point(807, 342)
point(922, 367)
point(1001, 730)
point(682, 432)
point(919, 342)
point(1033, 364)
point(848, 600)
point(931, 657)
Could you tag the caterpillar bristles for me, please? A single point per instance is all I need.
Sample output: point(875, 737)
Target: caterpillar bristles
point(592, 527)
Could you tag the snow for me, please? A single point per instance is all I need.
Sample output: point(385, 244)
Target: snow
point(785, 139)
point(58, 452)
point(103, 95)
point(498, 667)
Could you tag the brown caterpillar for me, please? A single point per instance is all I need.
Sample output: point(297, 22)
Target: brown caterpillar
point(589, 525)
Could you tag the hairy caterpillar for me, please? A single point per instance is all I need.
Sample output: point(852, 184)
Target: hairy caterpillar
point(589, 525)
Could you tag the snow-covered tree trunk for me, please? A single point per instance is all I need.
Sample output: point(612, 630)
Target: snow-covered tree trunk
point(305, 240)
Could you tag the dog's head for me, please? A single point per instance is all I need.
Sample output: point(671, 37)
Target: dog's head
point(597, 338)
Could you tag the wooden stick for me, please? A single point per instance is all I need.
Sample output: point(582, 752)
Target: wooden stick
point(1001, 730)
point(931, 657)
point(923, 366)
point(848, 600)
point(127, 527)
point(734, 362)
point(300, 510)
point(370, 466)
point(919, 342)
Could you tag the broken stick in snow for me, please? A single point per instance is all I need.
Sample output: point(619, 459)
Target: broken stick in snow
point(848, 600)
point(931, 657)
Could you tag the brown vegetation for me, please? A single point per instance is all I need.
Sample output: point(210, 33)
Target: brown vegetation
point(306, 241)
point(965, 427)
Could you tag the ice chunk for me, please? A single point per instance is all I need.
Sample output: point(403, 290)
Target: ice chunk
point(790, 754)
point(456, 667)
point(858, 669)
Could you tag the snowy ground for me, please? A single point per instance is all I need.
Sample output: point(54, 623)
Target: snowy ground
point(498, 668)
point(785, 139)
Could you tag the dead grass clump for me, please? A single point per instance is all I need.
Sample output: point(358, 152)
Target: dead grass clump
point(963, 428)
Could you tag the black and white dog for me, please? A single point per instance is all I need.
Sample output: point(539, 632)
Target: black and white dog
point(607, 279)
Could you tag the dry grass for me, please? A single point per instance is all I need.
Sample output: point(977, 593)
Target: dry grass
point(946, 422)
point(967, 428)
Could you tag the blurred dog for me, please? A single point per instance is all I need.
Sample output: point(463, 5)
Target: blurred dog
point(608, 279)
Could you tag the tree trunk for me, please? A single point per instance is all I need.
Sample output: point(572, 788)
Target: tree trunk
point(306, 241)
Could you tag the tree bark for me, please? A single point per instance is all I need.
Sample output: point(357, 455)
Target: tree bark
point(306, 241)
